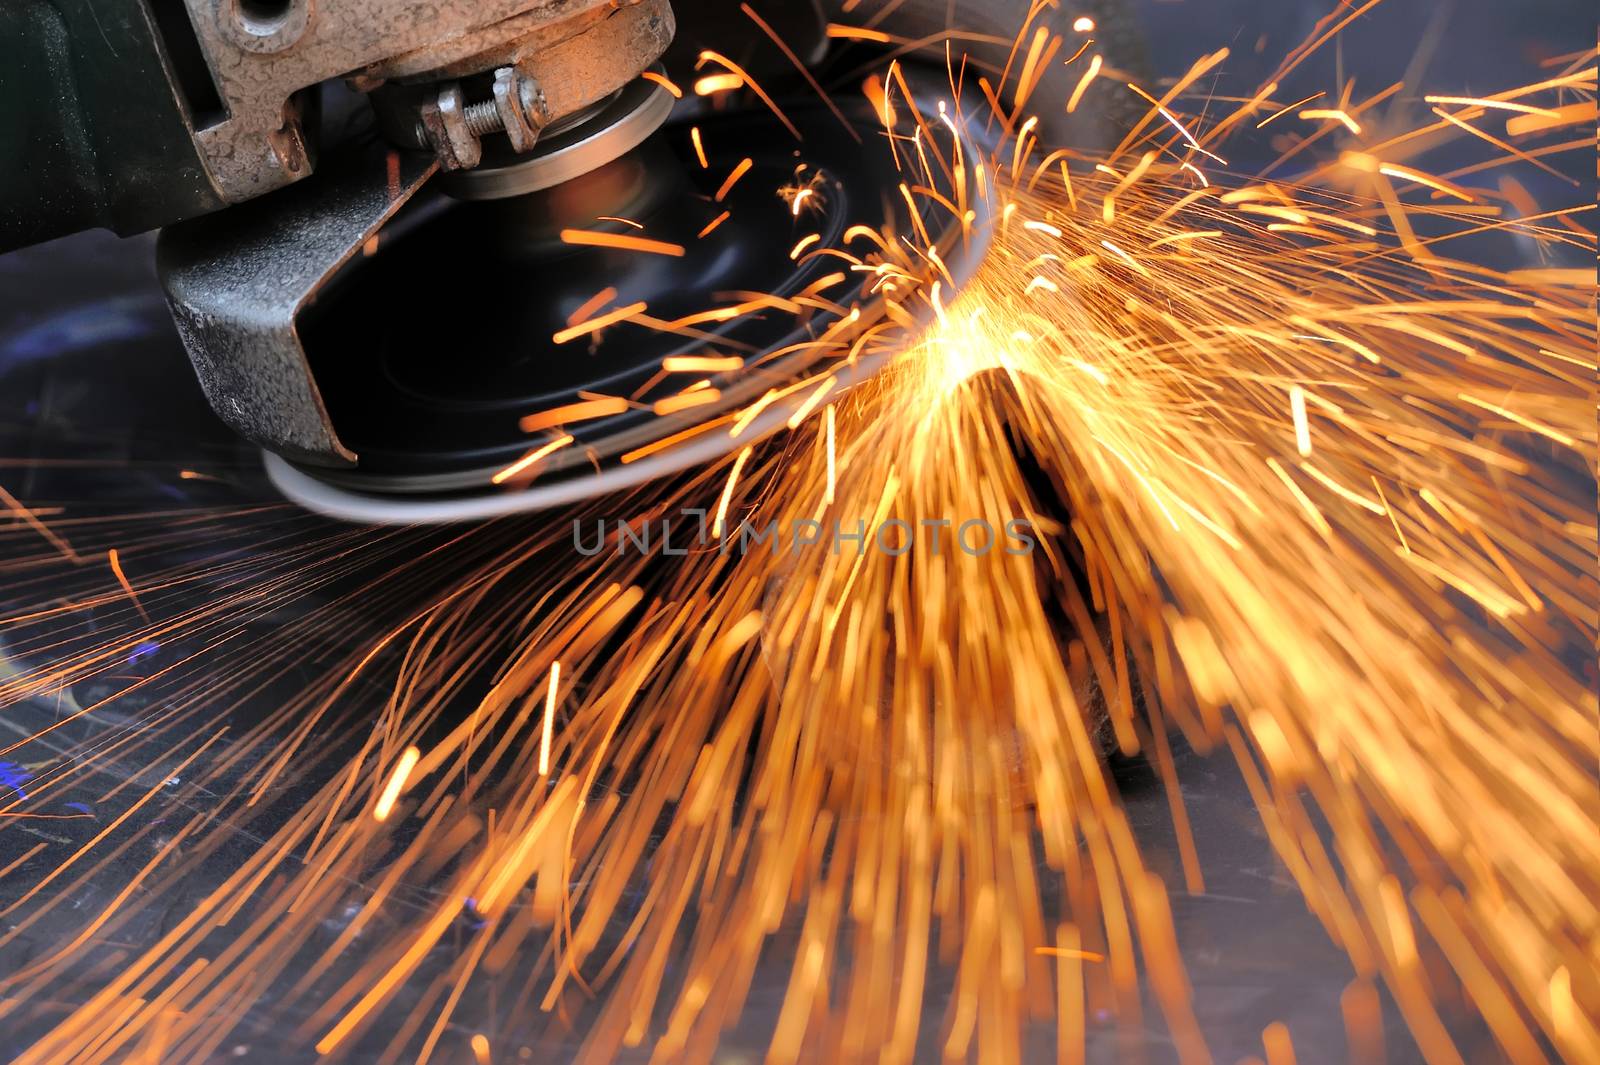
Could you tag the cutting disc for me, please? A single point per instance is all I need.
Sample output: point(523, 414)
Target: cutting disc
point(430, 352)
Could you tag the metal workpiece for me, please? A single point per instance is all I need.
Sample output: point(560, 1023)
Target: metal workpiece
point(261, 53)
point(236, 285)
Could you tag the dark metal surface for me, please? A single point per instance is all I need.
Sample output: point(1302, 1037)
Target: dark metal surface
point(99, 414)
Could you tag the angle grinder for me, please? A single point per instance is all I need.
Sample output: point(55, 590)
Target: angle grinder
point(371, 212)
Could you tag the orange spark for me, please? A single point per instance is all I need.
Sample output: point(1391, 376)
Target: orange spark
point(573, 412)
point(701, 363)
point(1089, 75)
point(1288, 108)
point(739, 171)
point(665, 82)
point(1332, 113)
point(685, 400)
point(1570, 115)
point(708, 56)
point(857, 33)
point(18, 510)
point(530, 458)
point(601, 239)
point(592, 304)
point(122, 579)
point(720, 522)
point(549, 719)
point(715, 83)
point(396, 783)
point(1302, 429)
point(594, 325)
point(1502, 105)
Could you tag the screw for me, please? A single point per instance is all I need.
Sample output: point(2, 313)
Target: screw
point(484, 118)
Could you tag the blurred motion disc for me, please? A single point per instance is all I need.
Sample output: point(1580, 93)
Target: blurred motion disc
point(430, 350)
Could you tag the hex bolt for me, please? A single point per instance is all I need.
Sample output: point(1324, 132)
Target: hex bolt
point(453, 127)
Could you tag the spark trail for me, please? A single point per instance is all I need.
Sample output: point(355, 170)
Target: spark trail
point(1302, 486)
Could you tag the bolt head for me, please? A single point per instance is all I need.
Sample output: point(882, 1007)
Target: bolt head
point(521, 106)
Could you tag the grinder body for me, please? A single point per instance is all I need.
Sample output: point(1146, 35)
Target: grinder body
point(134, 114)
point(279, 143)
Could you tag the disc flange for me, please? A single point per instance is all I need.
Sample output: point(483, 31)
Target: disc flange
point(615, 127)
